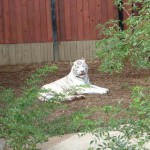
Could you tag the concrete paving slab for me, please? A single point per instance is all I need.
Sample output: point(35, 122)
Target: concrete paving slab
point(76, 142)
point(2, 144)
point(72, 142)
point(68, 142)
point(53, 141)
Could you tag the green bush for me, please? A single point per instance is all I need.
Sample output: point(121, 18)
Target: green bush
point(131, 45)
point(77, 121)
point(134, 124)
point(118, 49)
point(22, 118)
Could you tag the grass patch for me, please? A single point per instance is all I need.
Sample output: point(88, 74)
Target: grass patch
point(25, 121)
point(22, 117)
point(134, 124)
point(78, 121)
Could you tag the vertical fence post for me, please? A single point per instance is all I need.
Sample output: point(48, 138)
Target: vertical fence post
point(54, 27)
point(120, 16)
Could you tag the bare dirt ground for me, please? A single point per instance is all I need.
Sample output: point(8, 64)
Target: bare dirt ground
point(119, 85)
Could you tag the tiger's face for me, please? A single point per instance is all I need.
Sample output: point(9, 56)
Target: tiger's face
point(80, 68)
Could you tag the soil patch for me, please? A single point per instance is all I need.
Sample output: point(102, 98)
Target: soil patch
point(14, 76)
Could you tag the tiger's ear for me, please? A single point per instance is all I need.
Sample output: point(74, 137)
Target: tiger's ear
point(83, 59)
point(71, 63)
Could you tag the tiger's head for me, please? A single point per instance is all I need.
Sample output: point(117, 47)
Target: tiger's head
point(80, 68)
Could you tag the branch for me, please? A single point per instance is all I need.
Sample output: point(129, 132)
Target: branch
point(126, 11)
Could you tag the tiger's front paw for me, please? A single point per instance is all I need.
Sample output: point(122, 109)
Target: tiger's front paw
point(104, 91)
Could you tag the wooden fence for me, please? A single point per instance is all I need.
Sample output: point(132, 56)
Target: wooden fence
point(25, 21)
point(77, 19)
point(27, 53)
point(26, 25)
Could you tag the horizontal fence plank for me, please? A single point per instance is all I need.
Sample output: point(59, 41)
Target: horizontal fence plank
point(50, 55)
point(86, 50)
point(43, 52)
point(37, 53)
point(12, 53)
point(80, 51)
point(5, 54)
point(61, 52)
point(1, 54)
point(18, 53)
point(72, 50)
point(26, 53)
point(67, 52)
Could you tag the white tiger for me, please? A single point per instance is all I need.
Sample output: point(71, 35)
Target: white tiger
point(72, 86)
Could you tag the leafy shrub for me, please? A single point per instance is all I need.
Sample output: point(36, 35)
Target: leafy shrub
point(22, 118)
point(118, 48)
point(130, 45)
point(77, 121)
point(135, 124)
